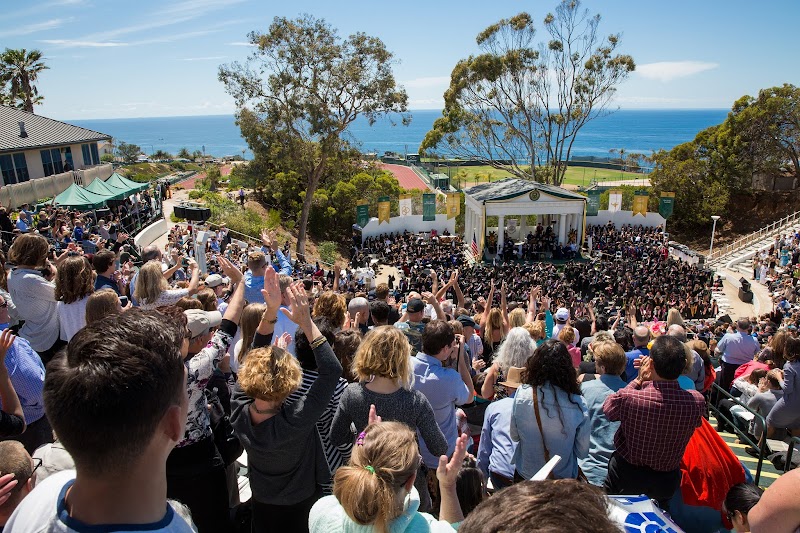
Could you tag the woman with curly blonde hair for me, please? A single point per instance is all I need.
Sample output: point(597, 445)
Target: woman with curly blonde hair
point(74, 285)
point(332, 306)
point(286, 461)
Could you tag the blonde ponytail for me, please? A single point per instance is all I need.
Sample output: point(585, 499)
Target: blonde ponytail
point(371, 488)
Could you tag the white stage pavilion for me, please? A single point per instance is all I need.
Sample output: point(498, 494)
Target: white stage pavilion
point(564, 209)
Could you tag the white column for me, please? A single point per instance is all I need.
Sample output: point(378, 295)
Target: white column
point(467, 224)
point(562, 229)
point(501, 226)
point(580, 230)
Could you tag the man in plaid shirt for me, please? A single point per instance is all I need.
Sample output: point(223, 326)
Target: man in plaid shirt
point(657, 420)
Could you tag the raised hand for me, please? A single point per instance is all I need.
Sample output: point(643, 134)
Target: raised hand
point(373, 415)
point(447, 472)
point(272, 289)
point(7, 484)
point(299, 312)
point(6, 340)
point(230, 270)
point(284, 340)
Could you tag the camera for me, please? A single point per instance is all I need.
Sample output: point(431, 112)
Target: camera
point(123, 301)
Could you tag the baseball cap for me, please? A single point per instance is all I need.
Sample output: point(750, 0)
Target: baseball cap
point(415, 306)
point(562, 314)
point(466, 321)
point(215, 280)
point(199, 321)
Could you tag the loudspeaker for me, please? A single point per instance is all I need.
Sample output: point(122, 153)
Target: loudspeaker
point(745, 286)
point(746, 296)
point(180, 211)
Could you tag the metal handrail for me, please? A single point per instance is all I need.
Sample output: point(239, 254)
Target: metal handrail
point(789, 452)
point(743, 435)
point(766, 231)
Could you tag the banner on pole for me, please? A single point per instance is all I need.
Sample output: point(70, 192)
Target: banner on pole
point(384, 206)
point(405, 205)
point(666, 203)
point(593, 203)
point(614, 201)
point(362, 214)
point(429, 206)
point(453, 205)
point(640, 199)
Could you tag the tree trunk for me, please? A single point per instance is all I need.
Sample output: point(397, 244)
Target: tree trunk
point(313, 183)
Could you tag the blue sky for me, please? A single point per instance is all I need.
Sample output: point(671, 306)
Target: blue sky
point(119, 58)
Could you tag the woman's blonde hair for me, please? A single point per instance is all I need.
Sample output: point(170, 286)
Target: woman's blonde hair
point(370, 488)
point(535, 329)
point(150, 283)
point(674, 317)
point(610, 356)
point(101, 304)
point(269, 374)
point(251, 318)
point(332, 306)
point(567, 335)
point(516, 318)
point(494, 323)
point(384, 352)
point(29, 249)
point(600, 336)
point(74, 281)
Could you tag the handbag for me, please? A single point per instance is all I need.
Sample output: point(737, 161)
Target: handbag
point(581, 476)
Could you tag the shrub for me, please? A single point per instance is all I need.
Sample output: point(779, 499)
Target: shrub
point(194, 194)
point(175, 219)
point(328, 252)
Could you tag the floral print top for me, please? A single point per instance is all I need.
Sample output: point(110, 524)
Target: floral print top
point(200, 369)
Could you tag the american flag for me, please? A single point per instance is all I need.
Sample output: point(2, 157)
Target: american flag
point(474, 248)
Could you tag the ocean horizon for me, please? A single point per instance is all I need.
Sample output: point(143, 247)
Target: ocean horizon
point(640, 130)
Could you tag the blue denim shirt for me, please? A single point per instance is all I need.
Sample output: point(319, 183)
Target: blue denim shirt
point(601, 436)
point(496, 449)
point(254, 284)
point(565, 422)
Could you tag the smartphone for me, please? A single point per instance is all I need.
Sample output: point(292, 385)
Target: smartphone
point(185, 262)
point(123, 301)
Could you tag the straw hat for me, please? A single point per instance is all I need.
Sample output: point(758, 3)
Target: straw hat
point(514, 378)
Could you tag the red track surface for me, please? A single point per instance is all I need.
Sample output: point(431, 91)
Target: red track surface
point(407, 178)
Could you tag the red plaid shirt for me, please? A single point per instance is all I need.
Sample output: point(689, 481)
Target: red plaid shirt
point(657, 420)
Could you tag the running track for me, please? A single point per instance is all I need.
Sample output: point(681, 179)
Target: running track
point(407, 178)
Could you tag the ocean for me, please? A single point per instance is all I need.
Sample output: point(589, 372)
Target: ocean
point(642, 131)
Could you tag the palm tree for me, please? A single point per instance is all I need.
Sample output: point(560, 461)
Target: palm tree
point(20, 69)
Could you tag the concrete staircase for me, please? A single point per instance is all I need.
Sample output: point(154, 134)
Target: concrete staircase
point(738, 256)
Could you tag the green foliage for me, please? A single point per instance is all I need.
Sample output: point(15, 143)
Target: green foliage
point(175, 219)
point(128, 152)
point(184, 153)
point(194, 194)
point(328, 252)
point(178, 165)
point(19, 70)
point(525, 101)
point(161, 155)
point(107, 158)
point(315, 85)
point(213, 177)
point(760, 136)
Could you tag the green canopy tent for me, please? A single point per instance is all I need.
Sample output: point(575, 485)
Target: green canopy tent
point(77, 197)
point(112, 193)
point(117, 181)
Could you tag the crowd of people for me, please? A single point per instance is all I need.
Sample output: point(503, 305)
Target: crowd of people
point(132, 387)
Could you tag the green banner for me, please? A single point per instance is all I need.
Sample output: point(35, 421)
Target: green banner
point(429, 206)
point(666, 203)
point(593, 204)
point(362, 215)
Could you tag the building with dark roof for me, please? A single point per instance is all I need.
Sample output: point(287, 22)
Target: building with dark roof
point(34, 147)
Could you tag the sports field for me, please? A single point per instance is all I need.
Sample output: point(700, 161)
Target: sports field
point(580, 176)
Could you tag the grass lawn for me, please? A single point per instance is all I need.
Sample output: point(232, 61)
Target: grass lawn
point(575, 175)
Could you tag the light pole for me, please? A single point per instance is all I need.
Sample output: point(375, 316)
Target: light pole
point(713, 231)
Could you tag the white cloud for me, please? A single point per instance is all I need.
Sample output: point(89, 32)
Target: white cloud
point(425, 103)
point(240, 43)
point(69, 43)
point(33, 28)
point(670, 70)
point(427, 83)
point(207, 58)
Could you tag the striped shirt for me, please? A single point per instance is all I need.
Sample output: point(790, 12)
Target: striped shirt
point(26, 371)
point(336, 456)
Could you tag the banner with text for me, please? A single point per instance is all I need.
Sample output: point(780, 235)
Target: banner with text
point(640, 199)
point(429, 206)
point(404, 206)
point(453, 204)
point(593, 203)
point(384, 206)
point(362, 214)
point(666, 203)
